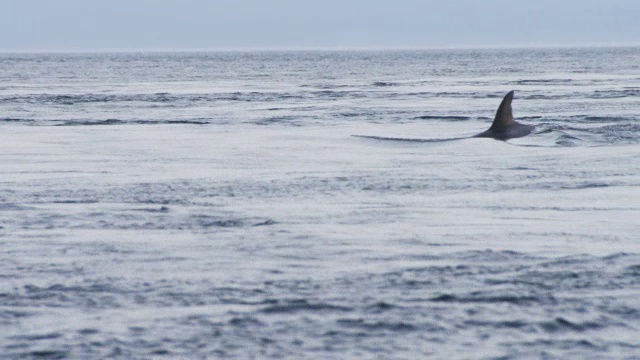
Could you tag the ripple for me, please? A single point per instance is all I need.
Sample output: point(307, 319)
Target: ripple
point(296, 306)
point(376, 326)
point(562, 324)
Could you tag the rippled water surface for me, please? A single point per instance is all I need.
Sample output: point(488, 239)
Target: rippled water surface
point(216, 205)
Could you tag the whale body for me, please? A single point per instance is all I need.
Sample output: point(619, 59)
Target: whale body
point(504, 126)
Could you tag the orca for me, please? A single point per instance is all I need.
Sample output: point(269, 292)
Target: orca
point(504, 127)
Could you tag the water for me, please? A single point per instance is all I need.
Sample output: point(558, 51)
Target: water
point(215, 205)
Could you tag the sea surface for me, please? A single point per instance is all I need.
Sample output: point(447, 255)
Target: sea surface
point(204, 205)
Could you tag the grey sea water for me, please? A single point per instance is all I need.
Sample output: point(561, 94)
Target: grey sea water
point(216, 205)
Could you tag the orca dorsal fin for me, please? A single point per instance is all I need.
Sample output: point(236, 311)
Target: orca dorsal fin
point(504, 116)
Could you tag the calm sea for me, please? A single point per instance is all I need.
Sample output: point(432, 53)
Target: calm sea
point(216, 205)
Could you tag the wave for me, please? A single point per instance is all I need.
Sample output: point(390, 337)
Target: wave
point(407, 140)
point(285, 120)
point(166, 99)
point(73, 99)
point(443, 117)
point(377, 326)
point(296, 306)
point(511, 299)
point(542, 81)
point(614, 94)
point(613, 131)
point(562, 324)
point(18, 120)
point(385, 83)
point(131, 122)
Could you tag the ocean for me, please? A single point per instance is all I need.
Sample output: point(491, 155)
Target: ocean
point(210, 205)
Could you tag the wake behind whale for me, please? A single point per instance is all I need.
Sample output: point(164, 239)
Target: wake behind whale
point(504, 127)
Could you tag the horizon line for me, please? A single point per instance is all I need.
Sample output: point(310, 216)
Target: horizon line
point(325, 48)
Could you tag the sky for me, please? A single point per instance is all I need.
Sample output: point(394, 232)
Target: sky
point(68, 25)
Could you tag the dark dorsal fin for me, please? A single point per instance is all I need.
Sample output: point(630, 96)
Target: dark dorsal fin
point(504, 117)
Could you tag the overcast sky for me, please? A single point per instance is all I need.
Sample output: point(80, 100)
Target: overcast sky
point(237, 24)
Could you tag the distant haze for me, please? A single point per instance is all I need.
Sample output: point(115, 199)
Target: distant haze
point(266, 24)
